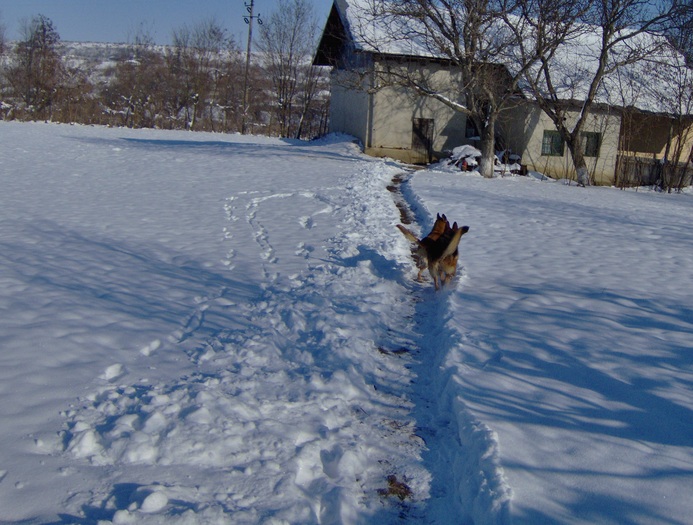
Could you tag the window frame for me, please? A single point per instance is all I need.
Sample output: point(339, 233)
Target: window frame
point(594, 140)
point(549, 141)
point(470, 131)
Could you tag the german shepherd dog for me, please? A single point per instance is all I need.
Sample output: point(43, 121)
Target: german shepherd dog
point(438, 230)
point(438, 251)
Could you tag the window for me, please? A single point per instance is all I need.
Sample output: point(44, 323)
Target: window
point(589, 141)
point(552, 144)
point(471, 131)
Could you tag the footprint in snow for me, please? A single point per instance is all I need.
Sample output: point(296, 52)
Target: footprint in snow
point(152, 347)
point(303, 250)
point(113, 372)
point(307, 222)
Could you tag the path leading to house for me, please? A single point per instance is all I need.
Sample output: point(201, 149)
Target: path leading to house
point(461, 454)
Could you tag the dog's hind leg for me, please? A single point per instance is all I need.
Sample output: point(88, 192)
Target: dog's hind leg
point(434, 270)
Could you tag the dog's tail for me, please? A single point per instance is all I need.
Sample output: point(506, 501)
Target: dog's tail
point(409, 235)
point(454, 240)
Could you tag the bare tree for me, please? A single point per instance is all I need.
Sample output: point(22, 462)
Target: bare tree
point(216, 51)
point(193, 61)
point(311, 106)
point(137, 95)
point(37, 70)
point(228, 94)
point(2, 67)
point(76, 98)
point(2, 36)
point(288, 40)
point(681, 32)
point(672, 85)
point(614, 33)
point(469, 36)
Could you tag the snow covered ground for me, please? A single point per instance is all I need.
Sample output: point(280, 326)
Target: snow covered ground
point(205, 328)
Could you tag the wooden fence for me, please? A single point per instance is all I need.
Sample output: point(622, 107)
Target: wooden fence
point(642, 171)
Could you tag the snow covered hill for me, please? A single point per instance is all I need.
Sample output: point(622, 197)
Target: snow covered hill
point(204, 328)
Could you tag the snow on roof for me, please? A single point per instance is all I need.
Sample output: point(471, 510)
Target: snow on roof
point(645, 84)
point(373, 31)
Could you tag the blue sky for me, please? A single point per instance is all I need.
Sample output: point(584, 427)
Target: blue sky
point(120, 20)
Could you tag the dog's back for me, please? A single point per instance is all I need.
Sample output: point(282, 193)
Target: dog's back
point(438, 249)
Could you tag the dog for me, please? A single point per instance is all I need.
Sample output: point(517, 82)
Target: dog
point(448, 265)
point(438, 251)
point(439, 228)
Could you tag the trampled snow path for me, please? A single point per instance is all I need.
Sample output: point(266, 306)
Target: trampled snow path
point(271, 385)
point(468, 485)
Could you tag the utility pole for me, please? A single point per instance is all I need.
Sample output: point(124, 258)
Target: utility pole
point(249, 7)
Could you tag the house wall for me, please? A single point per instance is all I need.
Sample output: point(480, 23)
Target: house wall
point(349, 105)
point(395, 108)
point(381, 115)
point(523, 127)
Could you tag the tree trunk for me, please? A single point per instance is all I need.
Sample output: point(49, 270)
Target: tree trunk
point(486, 146)
point(299, 128)
point(583, 176)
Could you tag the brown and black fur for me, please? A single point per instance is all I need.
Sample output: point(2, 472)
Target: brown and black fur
point(448, 265)
point(439, 228)
point(438, 251)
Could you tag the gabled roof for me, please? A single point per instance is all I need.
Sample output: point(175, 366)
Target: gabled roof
point(334, 38)
point(352, 26)
point(645, 85)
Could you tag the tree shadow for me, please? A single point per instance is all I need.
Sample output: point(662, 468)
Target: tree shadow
point(262, 148)
point(531, 353)
point(576, 359)
point(97, 272)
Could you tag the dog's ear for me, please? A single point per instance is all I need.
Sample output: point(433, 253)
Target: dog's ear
point(454, 225)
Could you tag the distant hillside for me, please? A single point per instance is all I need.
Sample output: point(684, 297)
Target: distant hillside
point(97, 54)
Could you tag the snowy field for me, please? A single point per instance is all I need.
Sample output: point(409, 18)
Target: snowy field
point(202, 328)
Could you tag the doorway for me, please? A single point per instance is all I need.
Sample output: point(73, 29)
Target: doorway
point(422, 141)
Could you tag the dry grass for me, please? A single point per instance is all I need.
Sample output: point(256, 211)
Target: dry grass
point(396, 488)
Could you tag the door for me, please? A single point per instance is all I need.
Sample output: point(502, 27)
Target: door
point(422, 140)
